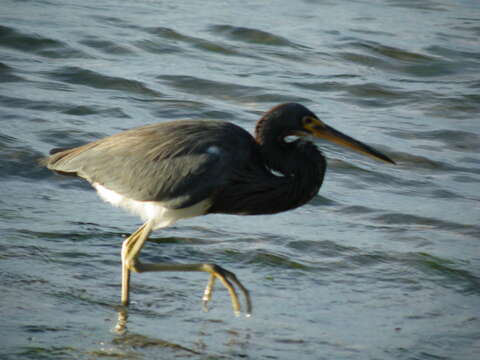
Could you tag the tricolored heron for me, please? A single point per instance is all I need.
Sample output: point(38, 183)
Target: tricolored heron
point(174, 170)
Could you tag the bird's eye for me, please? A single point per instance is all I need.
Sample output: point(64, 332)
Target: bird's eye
point(308, 121)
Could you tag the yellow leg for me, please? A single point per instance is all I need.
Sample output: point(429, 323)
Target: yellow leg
point(131, 247)
point(131, 250)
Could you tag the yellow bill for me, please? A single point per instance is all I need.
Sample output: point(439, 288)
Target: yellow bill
point(317, 128)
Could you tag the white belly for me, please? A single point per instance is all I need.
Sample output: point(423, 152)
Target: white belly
point(152, 211)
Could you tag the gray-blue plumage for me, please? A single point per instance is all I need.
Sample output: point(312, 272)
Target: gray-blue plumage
point(177, 163)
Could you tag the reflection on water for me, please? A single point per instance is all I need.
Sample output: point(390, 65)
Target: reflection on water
point(121, 326)
point(124, 340)
point(383, 263)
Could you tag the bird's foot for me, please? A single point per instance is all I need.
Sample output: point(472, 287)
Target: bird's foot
point(228, 279)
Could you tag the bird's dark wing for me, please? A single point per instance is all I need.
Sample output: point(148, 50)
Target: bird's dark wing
point(178, 163)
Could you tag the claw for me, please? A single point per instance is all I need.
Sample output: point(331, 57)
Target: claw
point(227, 278)
point(130, 251)
point(207, 294)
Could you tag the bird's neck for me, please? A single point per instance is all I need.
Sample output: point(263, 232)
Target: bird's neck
point(302, 169)
point(280, 177)
point(271, 141)
point(300, 162)
point(270, 185)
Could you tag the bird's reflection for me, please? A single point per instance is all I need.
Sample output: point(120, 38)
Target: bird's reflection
point(236, 340)
point(138, 340)
point(121, 327)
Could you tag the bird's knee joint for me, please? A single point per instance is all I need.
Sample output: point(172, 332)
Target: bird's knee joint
point(211, 268)
point(134, 266)
point(216, 269)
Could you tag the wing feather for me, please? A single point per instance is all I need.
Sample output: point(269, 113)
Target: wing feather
point(169, 162)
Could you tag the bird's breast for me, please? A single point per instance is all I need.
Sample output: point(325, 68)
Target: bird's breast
point(153, 211)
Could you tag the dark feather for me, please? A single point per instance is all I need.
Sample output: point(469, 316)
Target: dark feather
point(177, 163)
point(255, 190)
point(167, 162)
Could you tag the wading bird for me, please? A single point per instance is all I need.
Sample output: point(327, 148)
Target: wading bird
point(174, 170)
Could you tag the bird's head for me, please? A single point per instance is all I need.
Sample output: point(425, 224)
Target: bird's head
point(294, 119)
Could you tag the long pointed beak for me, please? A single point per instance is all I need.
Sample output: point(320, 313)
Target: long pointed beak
point(326, 132)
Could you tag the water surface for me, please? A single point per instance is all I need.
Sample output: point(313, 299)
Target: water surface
point(383, 264)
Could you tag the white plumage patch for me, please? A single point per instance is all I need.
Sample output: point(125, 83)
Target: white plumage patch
point(152, 211)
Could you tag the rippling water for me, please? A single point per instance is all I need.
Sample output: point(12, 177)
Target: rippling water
point(383, 264)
